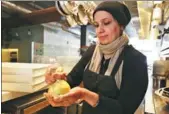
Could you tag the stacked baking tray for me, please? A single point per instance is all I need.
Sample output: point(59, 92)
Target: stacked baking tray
point(23, 77)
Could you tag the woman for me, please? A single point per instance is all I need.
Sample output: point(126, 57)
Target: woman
point(114, 74)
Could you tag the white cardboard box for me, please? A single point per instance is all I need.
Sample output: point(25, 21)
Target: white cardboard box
point(20, 78)
point(32, 69)
point(22, 87)
point(23, 77)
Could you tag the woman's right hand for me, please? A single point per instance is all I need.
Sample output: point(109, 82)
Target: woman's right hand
point(54, 73)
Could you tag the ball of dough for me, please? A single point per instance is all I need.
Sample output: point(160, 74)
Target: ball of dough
point(60, 87)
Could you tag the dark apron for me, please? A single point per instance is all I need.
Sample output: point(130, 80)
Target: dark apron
point(101, 84)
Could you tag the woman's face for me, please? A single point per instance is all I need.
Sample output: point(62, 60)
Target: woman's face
point(107, 28)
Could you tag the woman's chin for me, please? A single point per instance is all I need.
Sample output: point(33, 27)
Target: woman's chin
point(104, 42)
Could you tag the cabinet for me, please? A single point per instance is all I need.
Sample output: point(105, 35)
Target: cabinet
point(28, 104)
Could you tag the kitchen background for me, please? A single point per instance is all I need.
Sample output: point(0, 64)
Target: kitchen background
point(47, 32)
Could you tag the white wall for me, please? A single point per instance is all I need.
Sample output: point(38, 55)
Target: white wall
point(63, 43)
point(24, 44)
point(57, 41)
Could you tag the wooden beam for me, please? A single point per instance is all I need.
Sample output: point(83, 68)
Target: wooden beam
point(36, 17)
point(43, 16)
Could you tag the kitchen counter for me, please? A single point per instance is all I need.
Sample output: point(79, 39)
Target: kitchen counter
point(160, 106)
point(26, 104)
point(7, 95)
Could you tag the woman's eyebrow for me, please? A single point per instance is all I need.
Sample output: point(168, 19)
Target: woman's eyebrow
point(104, 19)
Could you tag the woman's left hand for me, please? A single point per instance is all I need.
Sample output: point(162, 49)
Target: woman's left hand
point(73, 96)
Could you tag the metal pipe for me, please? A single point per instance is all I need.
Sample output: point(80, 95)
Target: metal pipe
point(36, 6)
point(33, 16)
point(15, 7)
point(30, 17)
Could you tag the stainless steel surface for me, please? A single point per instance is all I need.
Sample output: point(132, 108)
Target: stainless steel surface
point(161, 68)
point(160, 92)
point(159, 82)
point(160, 74)
point(160, 102)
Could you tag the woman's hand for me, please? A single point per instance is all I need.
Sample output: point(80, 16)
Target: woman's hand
point(54, 73)
point(75, 95)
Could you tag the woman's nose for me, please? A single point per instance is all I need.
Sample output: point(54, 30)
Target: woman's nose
point(100, 29)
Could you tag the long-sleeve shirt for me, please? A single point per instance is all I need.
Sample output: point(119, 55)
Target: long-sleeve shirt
point(111, 99)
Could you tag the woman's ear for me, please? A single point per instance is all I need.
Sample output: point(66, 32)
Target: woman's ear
point(121, 27)
point(121, 30)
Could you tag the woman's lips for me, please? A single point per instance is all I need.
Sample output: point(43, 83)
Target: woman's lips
point(102, 37)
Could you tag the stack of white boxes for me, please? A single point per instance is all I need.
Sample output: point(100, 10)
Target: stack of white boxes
point(23, 77)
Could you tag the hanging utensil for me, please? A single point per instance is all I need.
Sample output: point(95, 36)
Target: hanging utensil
point(71, 21)
point(71, 7)
point(82, 15)
point(89, 10)
point(60, 8)
point(76, 18)
point(89, 14)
